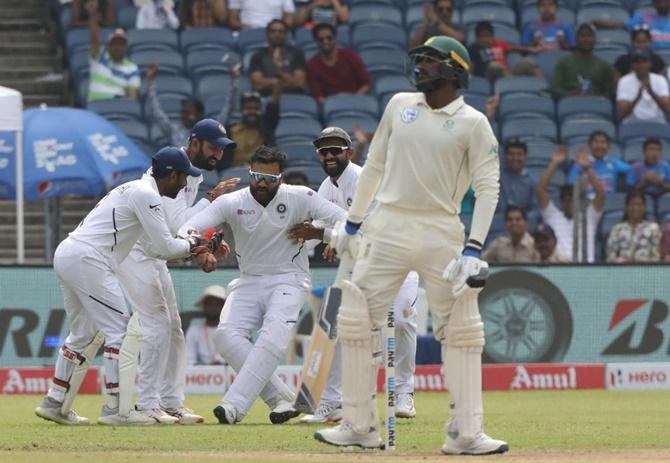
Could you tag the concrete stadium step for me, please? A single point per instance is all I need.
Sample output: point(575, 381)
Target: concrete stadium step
point(22, 11)
point(52, 62)
point(36, 4)
point(26, 36)
point(32, 87)
point(25, 24)
point(32, 73)
point(33, 236)
point(46, 48)
point(35, 100)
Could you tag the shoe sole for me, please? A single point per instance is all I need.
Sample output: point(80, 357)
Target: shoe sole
point(125, 423)
point(502, 449)
point(189, 422)
point(283, 417)
point(220, 415)
point(320, 438)
point(405, 415)
point(59, 421)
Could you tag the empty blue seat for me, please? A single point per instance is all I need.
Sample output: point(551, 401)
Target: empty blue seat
point(206, 38)
point(578, 130)
point(300, 154)
point(479, 85)
point(152, 39)
point(315, 174)
point(615, 200)
point(171, 106)
point(492, 13)
point(296, 130)
point(298, 106)
point(80, 39)
point(662, 205)
point(476, 101)
point(344, 104)
point(602, 12)
point(170, 62)
point(177, 86)
point(632, 130)
point(79, 65)
point(540, 151)
point(530, 14)
point(520, 84)
point(608, 55)
point(362, 14)
point(117, 109)
point(504, 32)
point(547, 61)
point(392, 85)
point(617, 36)
point(126, 17)
point(213, 85)
point(366, 123)
point(633, 150)
point(367, 36)
point(582, 105)
point(134, 130)
point(514, 106)
point(203, 62)
point(251, 39)
point(530, 128)
point(379, 64)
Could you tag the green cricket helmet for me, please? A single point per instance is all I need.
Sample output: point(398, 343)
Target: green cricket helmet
point(454, 65)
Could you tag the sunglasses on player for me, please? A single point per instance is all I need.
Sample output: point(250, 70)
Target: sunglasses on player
point(334, 150)
point(258, 176)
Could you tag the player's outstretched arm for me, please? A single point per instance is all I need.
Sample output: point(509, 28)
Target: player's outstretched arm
point(211, 216)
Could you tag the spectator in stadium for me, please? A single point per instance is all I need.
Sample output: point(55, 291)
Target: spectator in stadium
point(635, 239)
point(658, 23)
point(256, 128)
point(611, 172)
point(545, 245)
point(437, 21)
point(335, 70)
point(112, 74)
point(203, 13)
point(549, 32)
point(561, 218)
point(250, 14)
point(640, 39)
point(200, 347)
point(313, 12)
point(517, 187)
point(157, 14)
point(279, 62)
point(517, 245)
point(296, 177)
point(81, 12)
point(651, 174)
point(583, 73)
point(641, 94)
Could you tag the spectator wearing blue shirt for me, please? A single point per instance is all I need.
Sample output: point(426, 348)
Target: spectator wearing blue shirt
point(517, 187)
point(606, 169)
point(651, 174)
point(657, 21)
point(549, 33)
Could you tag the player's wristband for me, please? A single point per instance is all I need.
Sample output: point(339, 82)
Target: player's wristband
point(351, 228)
point(473, 248)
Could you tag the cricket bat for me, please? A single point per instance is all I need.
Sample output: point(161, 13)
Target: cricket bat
point(319, 357)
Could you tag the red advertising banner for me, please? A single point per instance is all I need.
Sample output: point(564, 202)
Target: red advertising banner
point(36, 381)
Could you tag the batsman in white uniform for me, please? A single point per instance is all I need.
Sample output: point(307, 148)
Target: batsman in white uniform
point(427, 150)
point(274, 276)
point(334, 148)
point(146, 280)
point(85, 264)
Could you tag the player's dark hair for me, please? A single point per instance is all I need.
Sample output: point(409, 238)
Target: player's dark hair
point(565, 191)
point(632, 194)
point(197, 104)
point(651, 141)
point(515, 143)
point(484, 26)
point(269, 155)
point(323, 27)
point(276, 21)
point(596, 133)
point(640, 29)
point(296, 174)
point(510, 209)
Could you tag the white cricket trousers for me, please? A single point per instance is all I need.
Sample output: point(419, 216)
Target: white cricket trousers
point(404, 308)
point(270, 304)
point(161, 376)
point(93, 302)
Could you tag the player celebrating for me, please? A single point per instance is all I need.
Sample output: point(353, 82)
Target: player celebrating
point(85, 264)
point(271, 289)
point(429, 147)
point(334, 148)
point(146, 280)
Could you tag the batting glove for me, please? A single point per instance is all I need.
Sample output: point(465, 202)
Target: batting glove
point(346, 238)
point(197, 244)
point(467, 273)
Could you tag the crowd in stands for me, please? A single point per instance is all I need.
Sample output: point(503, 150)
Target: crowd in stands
point(574, 89)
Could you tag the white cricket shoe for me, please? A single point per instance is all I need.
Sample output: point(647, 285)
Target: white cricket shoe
point(227, 413)
point(158, 415)
point(405, 406)
point(50, 410)
point(480, 445)
point(282, 412)
point(326, 412)
point(343, 435)
point(111, 417)
point(184, 415)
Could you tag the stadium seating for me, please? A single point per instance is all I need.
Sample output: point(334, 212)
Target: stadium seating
point(375, 36)
point(297, 130)
point(300, 106)
point(251, 39)
point(174, 85)
point(171, 62)
point(577, 130)
point(213, 85)
point(206, 38)
point(152, 39)
point(480, 86)
point(350, 105)
point(363, 14)
point(390, 85)
point(134, 130)
point(117, 109)
point(476, 101)
point(299, 154)
point(662, 206)
point(520, 84)
point(381, 64)
point(365, 122)
point(523, 105)
point(589, 14)
point(497, 14)
point(529, 14)
point(639, 130)
point(126, 17)
point(547, 61)
point(578, 106)
point(530, 128)
point(202, 62)
point(315, 174)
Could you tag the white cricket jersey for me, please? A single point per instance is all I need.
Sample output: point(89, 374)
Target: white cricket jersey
point(424, 159)
point(118, 220)
point(262, 246)
point(342, 194)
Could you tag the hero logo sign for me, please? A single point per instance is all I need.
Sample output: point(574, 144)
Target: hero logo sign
point(106, 149)
point(638, 376)
point(48, 157)
point(638, 335)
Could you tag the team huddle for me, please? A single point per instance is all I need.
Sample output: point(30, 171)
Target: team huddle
point(396, 220)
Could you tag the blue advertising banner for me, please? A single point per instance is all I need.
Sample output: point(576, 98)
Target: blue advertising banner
point(594, 314)
point(7, 164)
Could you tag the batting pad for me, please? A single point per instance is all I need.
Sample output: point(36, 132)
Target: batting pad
point(88, 354)
point(127, 364)
point(462, 360)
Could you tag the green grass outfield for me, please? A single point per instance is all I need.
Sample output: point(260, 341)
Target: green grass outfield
point(574, 426)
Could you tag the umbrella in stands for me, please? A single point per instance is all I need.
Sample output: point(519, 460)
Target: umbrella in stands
point(73, 151)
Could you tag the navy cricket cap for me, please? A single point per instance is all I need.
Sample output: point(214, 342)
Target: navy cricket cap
point(213, 132)
point(173, 159)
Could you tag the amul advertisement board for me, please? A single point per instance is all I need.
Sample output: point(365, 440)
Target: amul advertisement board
point(571, 314)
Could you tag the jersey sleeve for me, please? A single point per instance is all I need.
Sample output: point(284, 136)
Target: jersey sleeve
point(485, 174)
point(148, 208)
point(324, 211)
point(178, 212)
point(218, 212)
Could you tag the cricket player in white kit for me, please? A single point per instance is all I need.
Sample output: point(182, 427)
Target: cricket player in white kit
point(274, 276)
point(161, 377)
point(427, 150)
point(334, 148)
point(85, 264)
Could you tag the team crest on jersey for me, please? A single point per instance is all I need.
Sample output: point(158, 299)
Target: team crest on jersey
point(281, 208)
point(409, 115)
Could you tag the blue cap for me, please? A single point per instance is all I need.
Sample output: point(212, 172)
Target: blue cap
point(173, 159)
point(213, 132)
